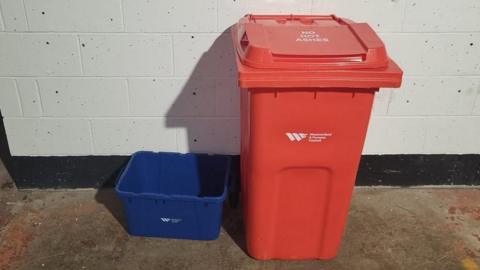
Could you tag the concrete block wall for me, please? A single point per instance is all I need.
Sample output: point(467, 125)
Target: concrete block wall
point(115, 76)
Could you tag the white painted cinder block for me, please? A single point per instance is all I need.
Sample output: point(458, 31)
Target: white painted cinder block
point(203, 135)
point(423, 135)
point(171, 16)
point(435, 54)
point(38, 54)
point(395, 135)
point(476, 106)
point(125, 136)
point(435, 96)
point(452, 135)
point(198, 55)
point(83, 96)
point(44, 137)
point(29, 97)
point(74, 15)
point(381, 101)
point(13, 14)
point(172, 97)
point(2, 26)
point(169, 83)
point(445, 16)
point(382, 15)
point(126, 55)
point(229, 11)
point(9, 101)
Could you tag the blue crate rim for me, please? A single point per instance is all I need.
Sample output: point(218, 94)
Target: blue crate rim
point(156, 196)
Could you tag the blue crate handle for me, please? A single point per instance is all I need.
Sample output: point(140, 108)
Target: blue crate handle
point(119, 175)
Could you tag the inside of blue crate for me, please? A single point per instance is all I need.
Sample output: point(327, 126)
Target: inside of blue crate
point(198, 175)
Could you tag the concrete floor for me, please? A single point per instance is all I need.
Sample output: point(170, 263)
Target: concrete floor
point(388, 228)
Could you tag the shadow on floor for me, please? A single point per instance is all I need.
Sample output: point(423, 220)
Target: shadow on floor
point(110, 200)
point(232, 223)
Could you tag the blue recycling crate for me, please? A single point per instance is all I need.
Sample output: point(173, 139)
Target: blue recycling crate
point(174, 195)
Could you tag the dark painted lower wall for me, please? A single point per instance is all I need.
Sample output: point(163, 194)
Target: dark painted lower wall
point(65, 172)
point(414, 170)
point(389, 170)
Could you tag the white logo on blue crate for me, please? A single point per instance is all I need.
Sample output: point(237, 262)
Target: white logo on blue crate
point(170, 220)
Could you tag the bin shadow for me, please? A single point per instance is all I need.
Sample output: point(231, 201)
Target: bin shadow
point(6, 182)
point(216, 68)
point(204, 114)
point(108, 197)
point(208, 168)
point(232, 224)
point(216, 131)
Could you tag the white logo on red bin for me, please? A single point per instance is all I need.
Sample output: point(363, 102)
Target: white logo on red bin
point(296, 136)
point(310, 137)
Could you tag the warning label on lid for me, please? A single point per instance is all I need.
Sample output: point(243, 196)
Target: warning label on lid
point(310, 36)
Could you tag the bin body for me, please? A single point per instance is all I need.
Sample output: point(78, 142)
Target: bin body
point(303, 129)
point(174, 195)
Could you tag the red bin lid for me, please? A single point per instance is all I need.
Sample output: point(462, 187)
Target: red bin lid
point(308, 43)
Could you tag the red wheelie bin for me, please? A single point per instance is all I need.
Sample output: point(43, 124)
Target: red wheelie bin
point(307, 87)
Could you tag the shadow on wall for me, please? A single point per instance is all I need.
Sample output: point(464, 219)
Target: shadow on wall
point(206, 117)
point(5, 159)
point(205, 113)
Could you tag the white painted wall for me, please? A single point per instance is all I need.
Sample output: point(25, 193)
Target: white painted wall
point(87, 77)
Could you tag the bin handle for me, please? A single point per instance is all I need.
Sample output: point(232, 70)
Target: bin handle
point(244, 42)
point(375, 55)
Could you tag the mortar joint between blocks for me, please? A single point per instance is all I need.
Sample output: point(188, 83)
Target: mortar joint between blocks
point(92, 141)
point(127, 83)
point(123, 12)
point(79, 51)
point(2, 18)
point(25, 13)
point(17, 93)
point(40, 100)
